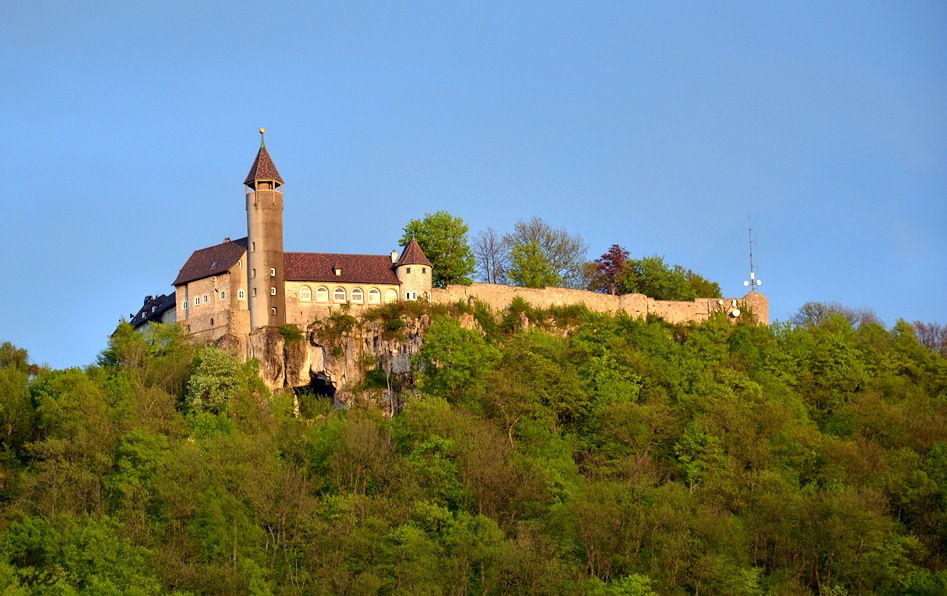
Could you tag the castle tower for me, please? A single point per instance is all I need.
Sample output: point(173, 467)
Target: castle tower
point(265, 278)
point(415, 272)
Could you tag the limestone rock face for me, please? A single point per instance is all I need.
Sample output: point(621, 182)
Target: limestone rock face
point(267, 346)
point(366, 364)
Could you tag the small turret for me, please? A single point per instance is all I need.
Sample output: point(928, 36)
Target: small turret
point(414, 271)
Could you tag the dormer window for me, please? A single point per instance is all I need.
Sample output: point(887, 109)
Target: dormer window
point(337, 271)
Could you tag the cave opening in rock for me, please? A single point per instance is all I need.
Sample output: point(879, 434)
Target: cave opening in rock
point(321, 385)
point(316, 398)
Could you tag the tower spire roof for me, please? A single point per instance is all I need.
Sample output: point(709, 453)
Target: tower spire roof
point(263, 167)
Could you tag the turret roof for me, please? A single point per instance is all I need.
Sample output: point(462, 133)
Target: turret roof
point(413, 255)
point(263, 167)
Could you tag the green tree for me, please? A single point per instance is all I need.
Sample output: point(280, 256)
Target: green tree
point(83, 555)
point(531, 268)
point(563, 253)
point(654, 278)
point(218, 381)
point(443, 238)
point(456, 362)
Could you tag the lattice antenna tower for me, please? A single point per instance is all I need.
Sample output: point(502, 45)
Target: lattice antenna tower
point(752, 282)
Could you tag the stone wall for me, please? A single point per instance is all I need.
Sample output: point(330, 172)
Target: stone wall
point(498, 297)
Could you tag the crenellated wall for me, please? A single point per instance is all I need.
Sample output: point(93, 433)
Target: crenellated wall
point(637, 305)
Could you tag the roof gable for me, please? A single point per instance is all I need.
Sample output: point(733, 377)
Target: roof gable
point(320, 267)
point(210, 261)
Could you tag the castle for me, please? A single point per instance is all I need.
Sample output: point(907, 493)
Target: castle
point(229, 292)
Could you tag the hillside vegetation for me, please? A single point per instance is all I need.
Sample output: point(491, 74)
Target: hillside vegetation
point(547, 452)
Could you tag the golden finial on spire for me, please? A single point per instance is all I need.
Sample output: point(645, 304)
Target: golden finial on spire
point(262, 138)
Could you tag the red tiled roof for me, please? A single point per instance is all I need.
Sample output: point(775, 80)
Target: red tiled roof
point(262, 168)
point(211, 261)
point(368, 269)
point(413, 255)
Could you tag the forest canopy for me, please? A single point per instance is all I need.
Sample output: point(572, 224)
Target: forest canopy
point(545, 451)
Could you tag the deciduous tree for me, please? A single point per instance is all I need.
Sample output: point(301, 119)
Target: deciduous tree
point(565, 253)
point(530, 267)
point(443, 238)
point(493, 256)
point(607, 271)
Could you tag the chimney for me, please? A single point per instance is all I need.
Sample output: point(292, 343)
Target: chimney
point(394, 256)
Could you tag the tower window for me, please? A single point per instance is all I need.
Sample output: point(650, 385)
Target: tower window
point(272, 290)
point(253, 272)
point(272, 271)
point(409, 269)
point(423, 270)
point(254, 292)
point(253, 246)
point(273, 311)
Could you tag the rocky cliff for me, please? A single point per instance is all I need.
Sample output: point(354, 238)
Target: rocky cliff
point(352, 360)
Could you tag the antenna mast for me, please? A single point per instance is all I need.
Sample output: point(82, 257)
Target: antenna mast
point(752, 282)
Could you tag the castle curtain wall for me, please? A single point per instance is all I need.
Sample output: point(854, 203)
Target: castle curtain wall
point(637, 305)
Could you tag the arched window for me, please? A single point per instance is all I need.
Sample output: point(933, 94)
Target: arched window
point(374, 296)
point(391, 295)
point(322, 294)
point(357, 295)
point(339, 295)
point(305, 294)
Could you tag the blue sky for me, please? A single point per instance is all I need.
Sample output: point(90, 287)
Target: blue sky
point(129, 128)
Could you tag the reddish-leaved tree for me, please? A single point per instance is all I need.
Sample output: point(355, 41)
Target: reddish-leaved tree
point(607, 271)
